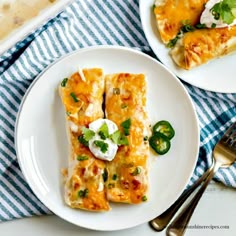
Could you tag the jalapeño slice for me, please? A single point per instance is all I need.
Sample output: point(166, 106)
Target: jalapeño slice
point(159, 143)
point(165, 128)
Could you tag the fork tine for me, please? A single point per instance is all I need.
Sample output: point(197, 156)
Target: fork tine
point(231, 138)
point(229, 135)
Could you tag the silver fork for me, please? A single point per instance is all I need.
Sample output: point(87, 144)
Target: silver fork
point(224, 155)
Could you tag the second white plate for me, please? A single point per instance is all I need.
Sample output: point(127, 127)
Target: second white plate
point(218, 75)
point(41, 141)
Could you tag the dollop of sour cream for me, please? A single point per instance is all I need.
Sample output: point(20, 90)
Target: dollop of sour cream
point(111, 148)
point(208, 19)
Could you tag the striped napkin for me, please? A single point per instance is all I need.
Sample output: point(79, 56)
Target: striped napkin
point(82, 24)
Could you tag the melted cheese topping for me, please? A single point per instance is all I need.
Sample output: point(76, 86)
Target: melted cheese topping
point(170, 15)
point(84, 175)
point(130, 102)
point(200, 46)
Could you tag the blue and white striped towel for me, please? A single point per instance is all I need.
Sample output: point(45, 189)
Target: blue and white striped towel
point(82, 24)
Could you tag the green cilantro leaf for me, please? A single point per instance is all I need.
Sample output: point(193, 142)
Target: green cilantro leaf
point(224, 10)
point(102, 145)
point(118, 138)
point(115, 136)
point(231, 3)
point(87, 133)
point(227, 16)
point(126, 126)
point(82, 140)
point(123, 140)
point(103, 131)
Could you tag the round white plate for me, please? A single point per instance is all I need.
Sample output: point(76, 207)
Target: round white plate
point(41, 141)
point(218, 75)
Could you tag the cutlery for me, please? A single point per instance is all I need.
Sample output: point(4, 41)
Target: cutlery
point(159, 223)
point(224, 155)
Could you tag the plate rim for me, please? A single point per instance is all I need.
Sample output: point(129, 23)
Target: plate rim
point(191, 83)
point(82, 50)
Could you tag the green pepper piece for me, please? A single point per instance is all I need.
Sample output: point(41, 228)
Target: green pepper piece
point(165, 128)
point(159, 143)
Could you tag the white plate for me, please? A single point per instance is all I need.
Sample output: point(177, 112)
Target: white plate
point(21, 32)
point(218, 75)
point(41, 142)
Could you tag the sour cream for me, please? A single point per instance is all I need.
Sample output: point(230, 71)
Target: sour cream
point(208, 19)
point(112, 147)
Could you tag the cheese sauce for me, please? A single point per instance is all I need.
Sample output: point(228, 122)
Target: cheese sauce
point(14, 13)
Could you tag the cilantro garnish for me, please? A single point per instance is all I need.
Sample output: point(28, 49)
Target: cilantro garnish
point(103, 131)
point(82, 140)
point(123, 140)
point(102, 145)
point(87, 134)
point(126, 126)
point(115, 136)
point(224, 10)
point(119, 139)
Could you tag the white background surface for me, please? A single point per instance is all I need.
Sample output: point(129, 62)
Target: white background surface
point(217, 207)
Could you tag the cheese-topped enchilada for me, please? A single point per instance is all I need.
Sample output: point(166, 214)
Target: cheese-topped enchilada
point(200, 46)
point(126, 106)
point(82, 97)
